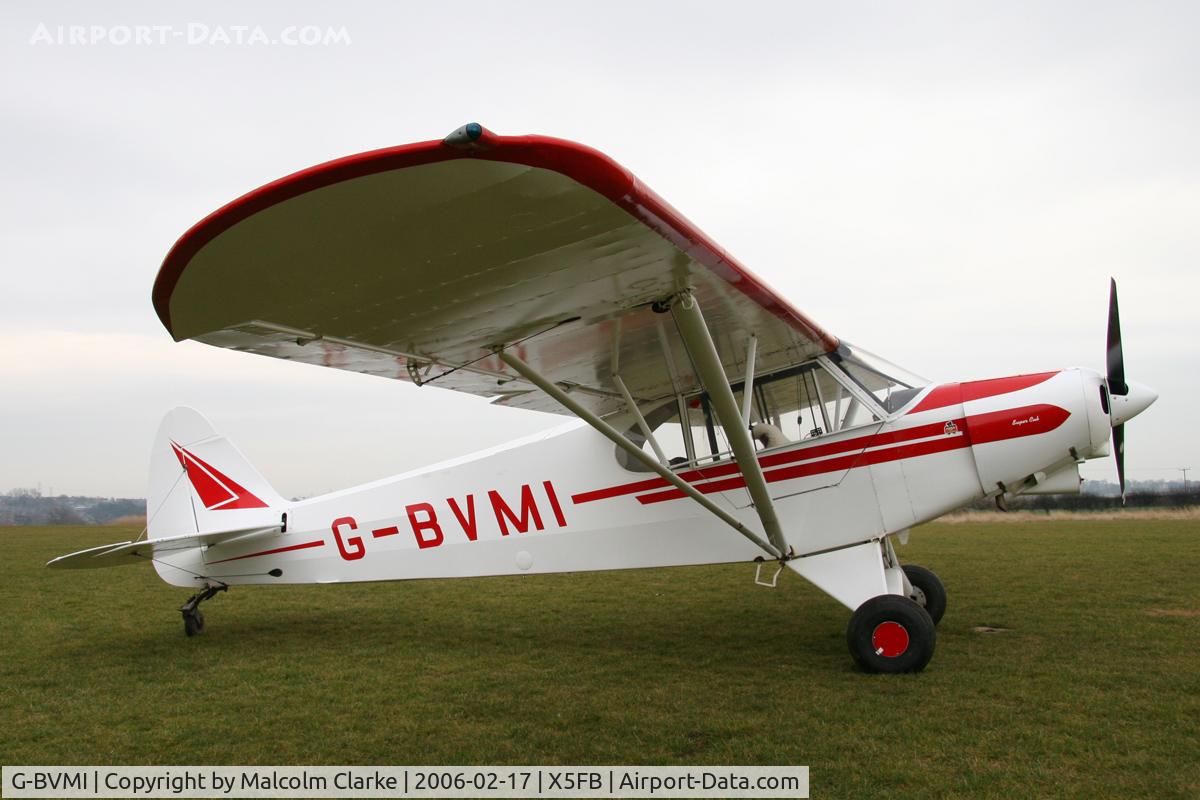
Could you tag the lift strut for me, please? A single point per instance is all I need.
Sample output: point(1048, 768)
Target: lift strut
point(694, 331)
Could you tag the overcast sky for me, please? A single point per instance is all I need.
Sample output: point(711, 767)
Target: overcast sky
point(949, 185)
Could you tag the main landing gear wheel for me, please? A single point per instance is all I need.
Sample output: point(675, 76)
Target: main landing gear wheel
point(891, 633)
point(929, 592)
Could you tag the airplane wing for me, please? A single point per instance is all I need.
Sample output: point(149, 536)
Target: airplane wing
point(417, 262)
point(144, 550)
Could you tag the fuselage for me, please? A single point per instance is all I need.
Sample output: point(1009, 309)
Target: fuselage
point(563, 501)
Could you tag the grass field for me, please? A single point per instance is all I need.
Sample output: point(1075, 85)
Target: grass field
point(1093, 692)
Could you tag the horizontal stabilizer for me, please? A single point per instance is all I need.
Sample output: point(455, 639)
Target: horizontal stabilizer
point(144, 550)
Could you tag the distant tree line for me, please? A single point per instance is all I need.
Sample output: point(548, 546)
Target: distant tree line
point(1087, 501)
point(29, 507)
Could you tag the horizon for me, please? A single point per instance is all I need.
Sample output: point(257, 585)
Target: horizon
point(1132, 485)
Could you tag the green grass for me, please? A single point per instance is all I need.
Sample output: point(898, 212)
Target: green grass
point(1094, 692)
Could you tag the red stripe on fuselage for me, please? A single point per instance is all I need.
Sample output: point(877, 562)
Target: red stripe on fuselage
point(996, 426)
point(304, 546)
point(806, 452)
point(978, 429)
point(949, 394)
point(839, 464)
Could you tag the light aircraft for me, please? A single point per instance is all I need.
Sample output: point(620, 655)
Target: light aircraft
point(715, 422)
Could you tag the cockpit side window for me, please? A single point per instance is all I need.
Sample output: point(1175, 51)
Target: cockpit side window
point(796, 404)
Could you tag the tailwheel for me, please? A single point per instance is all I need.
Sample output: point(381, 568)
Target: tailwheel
point(193, 617)
point(193, 623)
point(928, 590)
point(890, 633)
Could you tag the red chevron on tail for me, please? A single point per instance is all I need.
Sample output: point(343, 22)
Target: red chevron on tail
point(217, 491)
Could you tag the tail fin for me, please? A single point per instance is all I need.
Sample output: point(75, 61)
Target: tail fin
point(201, 483)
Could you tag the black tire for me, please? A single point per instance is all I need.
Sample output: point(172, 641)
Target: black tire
point(932, 589)
point(890, 633)
point(193, 623)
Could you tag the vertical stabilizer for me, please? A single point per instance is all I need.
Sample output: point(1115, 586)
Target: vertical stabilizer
point(200, 482)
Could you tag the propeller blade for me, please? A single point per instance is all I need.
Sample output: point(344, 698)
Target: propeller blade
point(1119, 453)
point(1116, 358)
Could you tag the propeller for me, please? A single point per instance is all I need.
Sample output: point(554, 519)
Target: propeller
point(1126, 400)
point(1119, 453)
point(1115, 360)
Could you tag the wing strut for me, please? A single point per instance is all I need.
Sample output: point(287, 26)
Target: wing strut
point(641, 420)
point(555, 391)
point(748, 384)
point(696, 336)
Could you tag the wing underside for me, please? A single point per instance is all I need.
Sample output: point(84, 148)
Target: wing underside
point(418, 262)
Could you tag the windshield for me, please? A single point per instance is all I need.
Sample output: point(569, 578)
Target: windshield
point(891, 385)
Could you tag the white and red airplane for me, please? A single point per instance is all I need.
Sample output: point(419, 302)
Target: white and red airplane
point(715, 422)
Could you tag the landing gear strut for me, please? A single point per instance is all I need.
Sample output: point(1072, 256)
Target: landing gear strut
point(193, 617)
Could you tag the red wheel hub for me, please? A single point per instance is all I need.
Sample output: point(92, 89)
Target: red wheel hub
point(890, 639)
